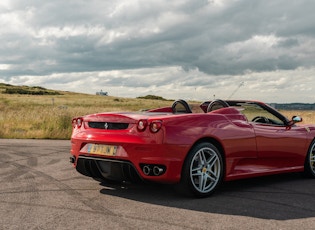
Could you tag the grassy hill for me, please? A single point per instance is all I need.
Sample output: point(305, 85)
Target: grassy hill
point(28, 90)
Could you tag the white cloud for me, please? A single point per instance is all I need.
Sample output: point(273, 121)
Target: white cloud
point(5, 67)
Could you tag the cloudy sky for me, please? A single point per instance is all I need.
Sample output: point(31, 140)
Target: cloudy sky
point(192, 49)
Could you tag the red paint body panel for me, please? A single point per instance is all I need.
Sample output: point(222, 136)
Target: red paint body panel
point(248, 148)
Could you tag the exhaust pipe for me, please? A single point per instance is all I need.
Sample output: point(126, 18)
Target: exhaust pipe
point(72, 159)
point(157, 170)
point(146, 170)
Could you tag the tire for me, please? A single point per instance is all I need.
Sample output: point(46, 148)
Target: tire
point(202, 171)
point(309, 166)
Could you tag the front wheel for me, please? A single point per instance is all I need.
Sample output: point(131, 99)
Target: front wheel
point(310, 161)
point(202, 170)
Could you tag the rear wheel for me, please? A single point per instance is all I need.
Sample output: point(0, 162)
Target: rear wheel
point(310, 161)
point(202, 171)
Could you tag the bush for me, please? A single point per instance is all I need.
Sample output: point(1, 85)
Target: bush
point(152, 97)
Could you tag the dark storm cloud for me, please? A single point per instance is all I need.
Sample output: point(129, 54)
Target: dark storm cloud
point(98, 35)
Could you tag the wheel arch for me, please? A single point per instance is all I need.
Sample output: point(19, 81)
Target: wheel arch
point(216, 143)
point(185, 185)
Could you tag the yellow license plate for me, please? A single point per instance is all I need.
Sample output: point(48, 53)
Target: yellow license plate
point(106, 150)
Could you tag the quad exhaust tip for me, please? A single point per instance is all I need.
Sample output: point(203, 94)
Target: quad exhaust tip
point(153, 170)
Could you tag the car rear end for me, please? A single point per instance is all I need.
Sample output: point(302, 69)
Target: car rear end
point(125, 146)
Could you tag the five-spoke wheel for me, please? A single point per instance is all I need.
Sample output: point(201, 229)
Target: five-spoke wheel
point(202, 170)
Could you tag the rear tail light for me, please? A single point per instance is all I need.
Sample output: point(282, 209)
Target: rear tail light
point(74, 122)
point(142, 125)
point(77, 122)
point(155, 126)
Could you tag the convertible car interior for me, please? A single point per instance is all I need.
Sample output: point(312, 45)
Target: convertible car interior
point(253, 111)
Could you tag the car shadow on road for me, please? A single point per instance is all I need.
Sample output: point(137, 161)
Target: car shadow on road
point(279, 197)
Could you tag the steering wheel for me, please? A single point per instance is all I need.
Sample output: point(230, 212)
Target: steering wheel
point(261, 119)
point(217, 104)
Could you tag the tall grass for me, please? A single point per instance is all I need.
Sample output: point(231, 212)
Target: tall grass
point(47, 116)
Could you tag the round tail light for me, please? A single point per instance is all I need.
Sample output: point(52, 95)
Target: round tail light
point(142, 125)
point(74, 122)
point(155, 126)
point(79, 122)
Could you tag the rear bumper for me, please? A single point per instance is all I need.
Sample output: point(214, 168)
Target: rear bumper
point(133, 154)
point(163, 166)
point(101, 168)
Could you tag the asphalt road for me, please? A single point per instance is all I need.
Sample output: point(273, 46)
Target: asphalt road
point(41, 190)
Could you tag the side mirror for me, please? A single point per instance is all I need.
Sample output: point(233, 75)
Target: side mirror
point(295, 119)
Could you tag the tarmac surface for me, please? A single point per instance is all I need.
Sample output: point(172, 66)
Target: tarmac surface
point(41, 190)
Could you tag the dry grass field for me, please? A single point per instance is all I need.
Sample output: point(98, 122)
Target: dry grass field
point(49, 116)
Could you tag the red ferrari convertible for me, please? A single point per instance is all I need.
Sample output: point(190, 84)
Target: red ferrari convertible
point(229, 140)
